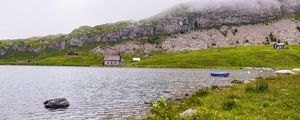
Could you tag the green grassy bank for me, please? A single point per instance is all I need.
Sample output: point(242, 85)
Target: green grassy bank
point(266, 99)
point(233, 57)
point(263, 55)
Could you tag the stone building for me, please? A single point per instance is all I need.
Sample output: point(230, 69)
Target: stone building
point(113, 60)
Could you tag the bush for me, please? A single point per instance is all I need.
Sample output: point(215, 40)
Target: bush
point(229, 104)
point(234, 31)
point(153, 39)
point(215, 87)
point(249, 88)
point(194, 101)
point(233, 96)
point(159, 109)
point(273, 38)
point(260, 87)
point(202, 93)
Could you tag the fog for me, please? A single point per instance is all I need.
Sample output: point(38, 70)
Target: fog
point(22, 19)
point(28, 18)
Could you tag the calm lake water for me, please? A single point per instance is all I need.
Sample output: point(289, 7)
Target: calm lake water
point(98, 93)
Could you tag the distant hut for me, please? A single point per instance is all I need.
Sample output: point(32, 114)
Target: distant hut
point(136, 59)
point(113, 59)
point(279, 46)
point(72, 53)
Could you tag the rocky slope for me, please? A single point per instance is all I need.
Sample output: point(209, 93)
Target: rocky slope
point(182, 19)
point(284, 30)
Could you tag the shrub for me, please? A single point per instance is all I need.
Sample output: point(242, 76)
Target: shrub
point(267, 40)
point(260, 87)
point(153, 39)
point(234, 31)
point(224, 33)
point(272, 38)
point(194, 101)
point(213, 44)
point(233, 96)
point(202, 93)
point(249, 88)
point(159, 109)
point(215, 87)
point(229, 104)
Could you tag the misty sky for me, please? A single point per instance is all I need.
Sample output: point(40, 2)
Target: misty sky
point(28, 18)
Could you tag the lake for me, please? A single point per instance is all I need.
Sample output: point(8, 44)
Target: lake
point(99, 93)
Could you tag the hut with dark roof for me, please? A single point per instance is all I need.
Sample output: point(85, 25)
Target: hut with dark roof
point(113, 60)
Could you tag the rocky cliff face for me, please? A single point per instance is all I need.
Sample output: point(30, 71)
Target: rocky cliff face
point(284, 31)
point(185, 18)
point(180, 19)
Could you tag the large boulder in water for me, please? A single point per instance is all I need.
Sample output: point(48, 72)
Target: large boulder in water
point(57, 103)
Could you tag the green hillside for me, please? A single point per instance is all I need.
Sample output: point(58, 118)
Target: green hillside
point(259, 56)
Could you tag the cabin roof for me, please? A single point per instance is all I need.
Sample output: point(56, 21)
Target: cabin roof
point(110, 57)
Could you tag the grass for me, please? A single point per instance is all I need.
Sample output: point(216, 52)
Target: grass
point(233, 57)
point(279, 100)
point(297, 16)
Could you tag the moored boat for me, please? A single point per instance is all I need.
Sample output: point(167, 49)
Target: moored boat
point(220, 74)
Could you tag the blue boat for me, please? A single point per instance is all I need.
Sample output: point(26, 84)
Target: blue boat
point(220, 74)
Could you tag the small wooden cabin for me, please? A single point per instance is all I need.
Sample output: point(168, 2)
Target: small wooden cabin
point(279, 46)
point(72, 53)
point(113, 60)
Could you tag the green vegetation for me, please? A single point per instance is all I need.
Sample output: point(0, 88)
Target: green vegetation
point(271, 98)
point(153, 39)
point(234, 57)
point(297, 16)
point(87, 31)
point(54, 57)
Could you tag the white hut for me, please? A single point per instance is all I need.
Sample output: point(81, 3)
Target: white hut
point(136, 59)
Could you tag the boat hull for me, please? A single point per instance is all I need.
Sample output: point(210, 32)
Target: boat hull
point(220, 74)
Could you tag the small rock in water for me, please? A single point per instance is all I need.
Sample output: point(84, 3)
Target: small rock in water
point(236, 82)
point(166, 91)
point(188, 112)
point(146, 103)
point(57, 103)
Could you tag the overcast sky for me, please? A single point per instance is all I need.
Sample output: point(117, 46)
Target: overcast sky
point(28, 18)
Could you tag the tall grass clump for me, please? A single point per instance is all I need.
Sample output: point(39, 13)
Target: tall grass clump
point(260, 87)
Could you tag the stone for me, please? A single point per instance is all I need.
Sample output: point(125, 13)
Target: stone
point(284, 72)
point(297, 71)
point(252, 80)
point(237, 82)
point(188, 112)
point(57, 103)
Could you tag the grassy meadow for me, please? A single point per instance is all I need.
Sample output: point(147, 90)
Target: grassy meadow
point(232, 57)
point(266, 99)
point(258, 56)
